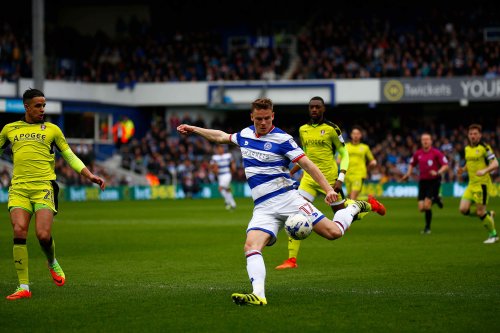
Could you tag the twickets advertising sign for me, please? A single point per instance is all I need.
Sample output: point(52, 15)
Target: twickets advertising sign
point(440, 90)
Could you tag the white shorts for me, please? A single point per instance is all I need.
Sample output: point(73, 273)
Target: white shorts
point(270, 216)
point(224, 180)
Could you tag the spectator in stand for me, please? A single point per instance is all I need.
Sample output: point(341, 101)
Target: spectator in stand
point(4, 178)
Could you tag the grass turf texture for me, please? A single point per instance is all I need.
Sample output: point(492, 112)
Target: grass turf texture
point(171, 266)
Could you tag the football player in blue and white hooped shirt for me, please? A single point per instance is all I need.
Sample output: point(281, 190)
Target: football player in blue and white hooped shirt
point(267, 152)
point(223, 164)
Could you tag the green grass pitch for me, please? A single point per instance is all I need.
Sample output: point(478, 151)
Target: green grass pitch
point(171, 266)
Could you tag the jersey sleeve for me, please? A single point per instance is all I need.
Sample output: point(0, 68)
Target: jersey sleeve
point(235, 138)
point(369, 154)
point(441, 158)
point(414, 160)
point(490, 154)
point(339, 143)
point(60, 140)
point(292, 150)
point(337, 138)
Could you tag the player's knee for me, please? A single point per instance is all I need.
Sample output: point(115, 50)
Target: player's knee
point(43, 235)
point(336, 233)
point(332, 233)
point(20, 231)
point(480, 212)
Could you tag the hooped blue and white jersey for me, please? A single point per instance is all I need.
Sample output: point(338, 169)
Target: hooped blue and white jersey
point(223, 162)
point(266, 159)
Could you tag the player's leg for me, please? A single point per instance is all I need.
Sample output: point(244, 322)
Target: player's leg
point(425, 206)
point(470, 196)
point(44, 221)
point(223, 193)
point(20, 219)
point(45, 209)
point(356, 186)
point(20, 209)
point(230, 196)
point(426, 192)
point(308, 190)
point(225, 190)
point(256, 240)
point(342, 219)
point(486, 216)
point(348, 186)
point(293, 252)
point(436, 199)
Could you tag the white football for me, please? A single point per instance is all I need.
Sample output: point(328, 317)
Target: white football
point(298, 226)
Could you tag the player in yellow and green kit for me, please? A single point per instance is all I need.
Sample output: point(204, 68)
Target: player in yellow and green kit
point(359, 155)
point(479, 162)
point(33, 188)
point(321, 140)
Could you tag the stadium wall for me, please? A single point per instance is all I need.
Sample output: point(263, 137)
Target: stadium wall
point(240, 190)
point(347, 91)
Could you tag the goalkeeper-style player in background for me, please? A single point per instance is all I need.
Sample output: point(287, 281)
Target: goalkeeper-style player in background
point(33, 188)
point(320, 140)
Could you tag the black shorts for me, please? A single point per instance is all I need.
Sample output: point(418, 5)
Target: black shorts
point(428, 188)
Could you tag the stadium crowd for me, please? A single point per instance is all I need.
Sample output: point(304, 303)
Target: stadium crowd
point(428, 44)
point(329, 45)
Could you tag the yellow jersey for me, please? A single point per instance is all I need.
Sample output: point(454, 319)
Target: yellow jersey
point(33, 149)
point(476, 158)
point(320, 143)
point(359, 155)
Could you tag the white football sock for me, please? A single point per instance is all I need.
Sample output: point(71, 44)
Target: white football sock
point(345, 216)
point(256, 272)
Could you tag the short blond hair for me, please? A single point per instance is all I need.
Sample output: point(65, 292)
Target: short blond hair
point(262, 104)
point(477, 127)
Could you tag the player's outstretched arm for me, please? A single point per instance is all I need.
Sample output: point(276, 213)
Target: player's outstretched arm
point(211, 135)
point(76, 164)
point(93, 178)
point(343, 165)
point(294, 169)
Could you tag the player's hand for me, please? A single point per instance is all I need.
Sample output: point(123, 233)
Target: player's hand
point(99, 181)
point(480, 173)
point(433, 173)
point(185, 129)
point(331, 197)
point(338, 186)
point(403, 178)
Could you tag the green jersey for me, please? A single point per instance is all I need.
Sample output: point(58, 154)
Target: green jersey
point(359, 155)
point(320, 143)
point(33, 149)
point(476, 158)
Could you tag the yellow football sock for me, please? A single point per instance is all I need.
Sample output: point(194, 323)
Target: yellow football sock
point(293, 247)
point(488, 223)
point(20, 253)
point(361, 215)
